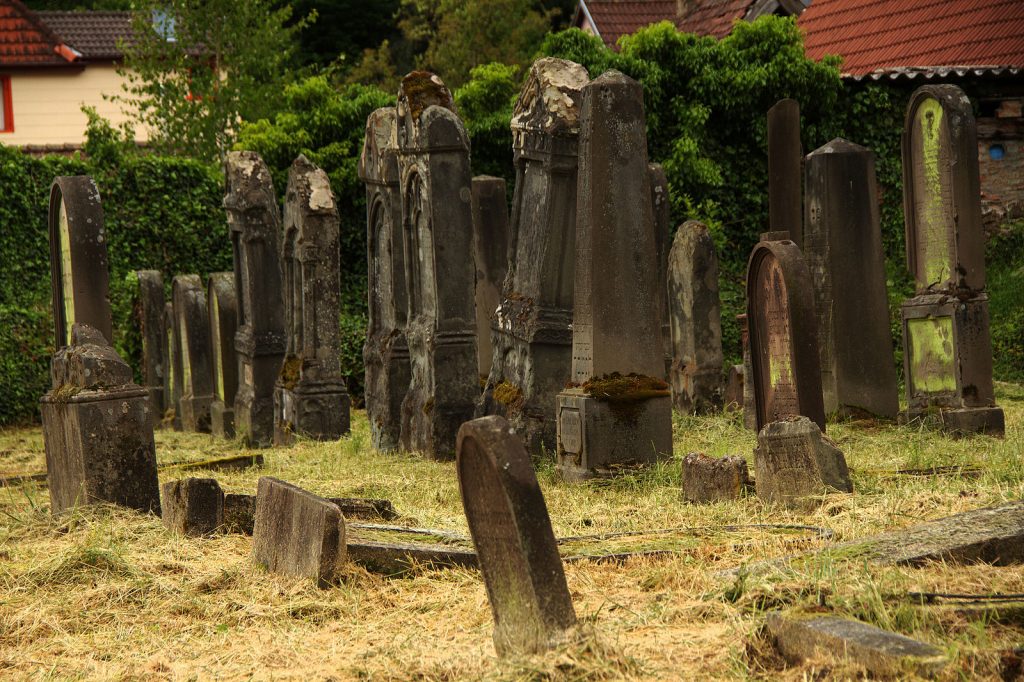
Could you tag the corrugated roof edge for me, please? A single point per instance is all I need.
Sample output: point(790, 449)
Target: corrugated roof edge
point(930, 72)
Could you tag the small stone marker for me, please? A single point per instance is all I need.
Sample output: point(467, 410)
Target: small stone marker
point(193, 506)
point(490, 253)
point(712, 479)
point(148, 317)
point(734, 387)
point(172, 369)
point(255, 226)
point(192, 321)
point(297, 533)
point(514, 541)
point(696, 321)
point(878, 651)
point(223, 304)
point(785, 207)
point(794, 461)
point(310, 397)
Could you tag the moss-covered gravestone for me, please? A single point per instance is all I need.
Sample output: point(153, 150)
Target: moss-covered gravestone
point(386, 353)
point(490, 253)
point(148, 318)
point(618, 411)
point(947, 351)
point(192, 321)
point(172, 369)
point(310, 398)
point(223, 306)
point(514, 541)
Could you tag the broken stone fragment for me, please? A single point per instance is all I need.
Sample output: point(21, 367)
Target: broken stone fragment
point(710, 479)
point(193, 506)
point(793, 461)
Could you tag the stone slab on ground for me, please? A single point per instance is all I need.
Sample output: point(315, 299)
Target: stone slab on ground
point(192, 506)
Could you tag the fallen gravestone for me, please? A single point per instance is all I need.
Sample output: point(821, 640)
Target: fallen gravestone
point(514, 541)
point(785, 207)
point(713, 479)
point(793, 462)
point(192, 321)
point(193, 506)
point(223, 306)
point(490, 253)
point(148, 319)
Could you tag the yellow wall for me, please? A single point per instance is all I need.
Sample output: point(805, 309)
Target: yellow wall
point(48, 103)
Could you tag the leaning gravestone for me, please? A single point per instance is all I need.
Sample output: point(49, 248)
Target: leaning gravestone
point(786, 375)
point(794, 462)
point(148, 318)
point(255, 227)
point(696, 321)
point(947, 352)
point(843, 249)
point(436, 210)
point(490, 253)
point(192, 321)
point(785, 208)
point(531, 335)
point(310, 398)
point(386, 353)
point(618, 411)
point(223, 305)
point(172, 368)
point(514, 541)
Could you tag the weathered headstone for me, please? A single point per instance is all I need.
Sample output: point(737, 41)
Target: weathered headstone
point(193, 506)
point(793, 461)
point(192, 320)
point(734, 388)
point(514, 541)
point(947, 351)
point(438, 225)
point(296, 532)
point(618, 411)
point(843, 249)
point(663, 243)
point(785, 211)
point(490, 253)
point(310, 398)
point(148, 318)
point(713, 479)
point(172, 369)
point(223, 305)
point(531, 335)
point(786, 374)
point(386, 353)
point(696, 321)
point(255, 226)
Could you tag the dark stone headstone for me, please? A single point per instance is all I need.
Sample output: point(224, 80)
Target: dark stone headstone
point(192, 320)
point(255, 226)
point(310, 398)
point(696, 321)
point(531, 335)
point(148, 318)
point(223, 305)
point(713, 479)
point(619, 410)
point(386, 353)
point(662, 209)
point(785, 207)
point(193, 506)
point(514, 541)
point(734, 387)
point(786, 374)
point(438, 225)
point(490, 253)
point(794, 462)
point(172, 369)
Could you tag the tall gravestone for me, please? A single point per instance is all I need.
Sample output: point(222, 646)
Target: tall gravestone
point(514, 541)
point(490, 253)
point(386, 353)
point(172, 369)
point(785, 207)
point(618, 411)
point(311, 398)
point(786, 374)
point(433, 161)
point(696, 321)
point(255, 226)
point(222, 302)
point(148, 318)
point(843, 249)
point(97, 423)
point(531, 334)
point(947, 351)
point(663, 244)
point(192, 320)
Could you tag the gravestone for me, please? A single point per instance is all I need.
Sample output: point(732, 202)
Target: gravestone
point(663, 244)
point(785, 369)
point(794, 462)
point(255, 228)
point(192, 320)
point(310, 398)
point(223, 304)
point(490, 253)
point(172, 370)
point(514, 541)
point(947, 351)
point(386, 353)
point(531, 335)
point(696, 321)
point(193, 506)
point(148, 319)
point(713, 479)
point(785, 207)
point(749, 404)
point(843, 249)
point(433, 161)
point(618, 411)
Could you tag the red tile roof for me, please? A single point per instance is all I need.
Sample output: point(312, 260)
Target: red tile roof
point(876, 35)
point(615, 18)
point(26, 41)
point(713, 17)
point(94, 34)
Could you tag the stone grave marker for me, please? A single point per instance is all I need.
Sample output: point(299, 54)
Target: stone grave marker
point(514, 541)
point(618, 411)
point(192, 320)
point(843, 249)
point(148, 318)
point(947, 351)
point(386, 353)
point(433, 160)
point(696, 321)
point(749, 404)
point(193, 506)
point(490, 253)
point(663, 244)
point(785, 207)
point(223, 306)
point(786, 374)
point(713, 479)
point(793, 462)
point(531, 335)
point(255, 228)
point(311, 398)
point(172, 369)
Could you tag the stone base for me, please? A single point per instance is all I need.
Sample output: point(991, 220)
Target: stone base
point(195, 413)
point(319, 412)
point(710, 479)
point(222, 420)
point(599, 439)
point(959, 421)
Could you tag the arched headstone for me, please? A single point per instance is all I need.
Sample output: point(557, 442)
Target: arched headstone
point(223, 306)
point(192, 321)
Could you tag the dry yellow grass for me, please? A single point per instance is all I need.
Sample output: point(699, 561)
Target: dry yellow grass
point(108, 594)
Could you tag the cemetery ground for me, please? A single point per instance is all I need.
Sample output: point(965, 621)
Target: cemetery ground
point(105, 593)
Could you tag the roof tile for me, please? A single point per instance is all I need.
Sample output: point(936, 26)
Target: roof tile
point(24, 40)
